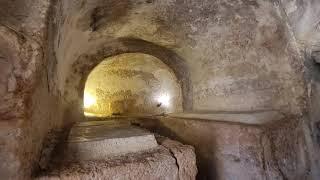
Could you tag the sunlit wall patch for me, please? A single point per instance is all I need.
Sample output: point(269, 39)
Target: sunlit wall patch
point(163, 100)
point(88, 100)
point(131, 84)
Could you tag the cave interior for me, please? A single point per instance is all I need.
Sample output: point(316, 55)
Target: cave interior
point(160, 89)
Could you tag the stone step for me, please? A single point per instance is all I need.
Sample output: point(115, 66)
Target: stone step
point(105, 139)
point(170, 160)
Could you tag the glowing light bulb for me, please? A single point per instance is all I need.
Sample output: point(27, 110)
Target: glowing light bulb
point(88, 100)
point(164, 99)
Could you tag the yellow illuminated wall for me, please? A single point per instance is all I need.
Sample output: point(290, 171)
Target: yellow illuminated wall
point(131, 84)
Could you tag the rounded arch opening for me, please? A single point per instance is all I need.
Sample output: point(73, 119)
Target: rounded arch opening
point(131, 84)
point(85, 63)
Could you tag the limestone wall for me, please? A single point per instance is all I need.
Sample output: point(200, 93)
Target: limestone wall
point(238, 56)
point(303, 18)
point(28, 109)
point(226, 55)
point(131, 83)
point(235, 151)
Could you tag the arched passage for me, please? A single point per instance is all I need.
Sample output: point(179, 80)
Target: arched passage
point(85, 63)
point(131, 84)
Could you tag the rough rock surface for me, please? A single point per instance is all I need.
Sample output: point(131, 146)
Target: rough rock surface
point(28, 110)
point(240, 152)
point(185, 158)
point(133, 83)
point(304, 19)
point(171, 161)
point(228, 55)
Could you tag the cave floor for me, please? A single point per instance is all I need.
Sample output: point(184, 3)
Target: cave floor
point(118, 150)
